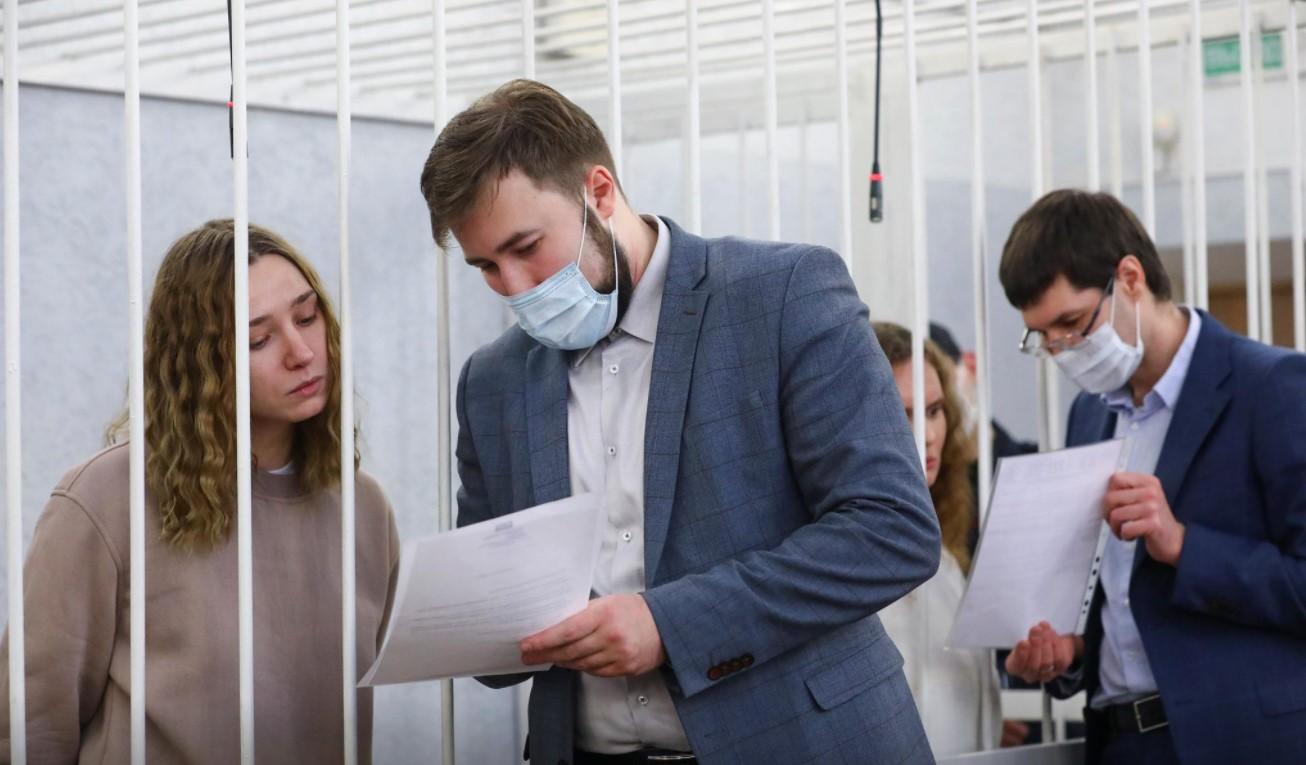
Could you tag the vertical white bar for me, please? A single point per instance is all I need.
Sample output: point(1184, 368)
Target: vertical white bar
point(1034, 100)
point(804, 182)
point(1198, 140)
point(694, 129)
point(444, 383)
point(1263, 280)
point(348, 580)
point(1046, 381)
point(1145, 116)
point(1249, 172)
point(1090, 97)
point(1113, 117)
point(845, 151)
point(772, 122)
point(1186, 177)
point(244, 514)
point(614, 85)
point(1298, 260)
point(13, 402)
point(136, 370)
point(745, 211)
point(920, 287)
point(528, 38)
point(979, 265)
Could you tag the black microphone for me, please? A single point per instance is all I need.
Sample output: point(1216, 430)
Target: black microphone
point(877, 194)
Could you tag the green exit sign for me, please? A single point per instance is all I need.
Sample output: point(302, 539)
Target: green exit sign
point(1223, 55)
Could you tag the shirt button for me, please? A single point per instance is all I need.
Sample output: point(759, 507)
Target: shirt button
point(1134, 426)
point(643, 700)
point(612, 450)
point(626, 536)
point(614, 369)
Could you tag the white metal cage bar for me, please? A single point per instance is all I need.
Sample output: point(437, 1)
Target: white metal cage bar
point(1295, 196)
point(1145, 116)
point(1197, 137)
point(979, 268)
point(1093, 153)
point(615, 141)
point(772, 121)
point(528, 38)
point(244, 511)
point(694, 129)
point(348, 578)
point(1249, 171)
point(920, 287)
point(136, 370)
point(841, 118)
point(1264, 281)
point(443, 362)
point(13, 401)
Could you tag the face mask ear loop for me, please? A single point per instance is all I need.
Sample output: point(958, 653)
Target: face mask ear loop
point(1138, 324)
point(616, 264)
point(584, 223)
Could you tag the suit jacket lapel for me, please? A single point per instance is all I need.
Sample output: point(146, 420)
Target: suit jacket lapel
point(679, 321)
point(1201, 401)
point(546, 423)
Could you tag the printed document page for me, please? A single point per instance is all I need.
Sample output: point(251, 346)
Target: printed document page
point(1040, 548)
point(467, 597)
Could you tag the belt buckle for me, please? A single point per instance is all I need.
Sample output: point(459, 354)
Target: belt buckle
point(1138, 716)
point(670, 757)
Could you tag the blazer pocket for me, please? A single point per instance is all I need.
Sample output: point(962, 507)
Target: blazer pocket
point(1282, 697)
point(853, 674)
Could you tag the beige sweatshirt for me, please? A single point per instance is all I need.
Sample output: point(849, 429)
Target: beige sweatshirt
point(76, 595)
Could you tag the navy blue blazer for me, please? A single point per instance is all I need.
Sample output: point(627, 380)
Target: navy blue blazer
point(784, 505)
point(1225, 629)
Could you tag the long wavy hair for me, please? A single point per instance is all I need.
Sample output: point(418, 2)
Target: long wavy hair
point(954, 499)
point(190, 386)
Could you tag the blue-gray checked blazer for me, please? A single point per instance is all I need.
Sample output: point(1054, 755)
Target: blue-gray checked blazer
point(784, 505)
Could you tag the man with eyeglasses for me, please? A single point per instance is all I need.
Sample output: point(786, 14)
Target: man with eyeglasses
point(1195, 650)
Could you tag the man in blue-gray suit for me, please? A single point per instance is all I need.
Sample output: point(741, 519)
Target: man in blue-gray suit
point(763, 495)
point(1195, 651)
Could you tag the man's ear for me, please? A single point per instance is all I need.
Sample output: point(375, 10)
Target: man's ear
point(1131, 279)
point(602, 190)
point(970, 362)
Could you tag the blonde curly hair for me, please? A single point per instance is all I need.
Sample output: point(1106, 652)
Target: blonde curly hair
point(190, 386)
point(954, 499)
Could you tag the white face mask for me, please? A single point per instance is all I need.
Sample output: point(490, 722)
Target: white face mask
point(564, 311)
point(1103, 362)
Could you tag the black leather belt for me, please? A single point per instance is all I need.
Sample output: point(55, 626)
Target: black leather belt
point(1140, 716)
point(639, 757)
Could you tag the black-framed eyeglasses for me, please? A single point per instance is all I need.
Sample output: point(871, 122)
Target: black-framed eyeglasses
point(1035, 343)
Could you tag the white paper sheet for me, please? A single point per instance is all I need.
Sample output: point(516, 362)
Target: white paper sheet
point(1040, 548)
point(467, 597)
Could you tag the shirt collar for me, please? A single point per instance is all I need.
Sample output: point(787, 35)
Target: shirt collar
point(641, 318)
point(1166, 391)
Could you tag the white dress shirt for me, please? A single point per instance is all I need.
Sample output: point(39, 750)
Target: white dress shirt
point(606, 409)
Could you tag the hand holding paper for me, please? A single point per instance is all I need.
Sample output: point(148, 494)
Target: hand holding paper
point(615, 636)
point(467, 598)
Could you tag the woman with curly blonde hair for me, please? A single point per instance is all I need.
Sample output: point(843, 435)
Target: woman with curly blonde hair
point(956, 691)
point(77, 571)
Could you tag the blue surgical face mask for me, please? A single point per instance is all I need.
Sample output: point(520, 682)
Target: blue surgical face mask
point(564, 311)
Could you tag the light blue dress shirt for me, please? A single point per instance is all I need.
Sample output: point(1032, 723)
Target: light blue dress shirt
point(1124, 670)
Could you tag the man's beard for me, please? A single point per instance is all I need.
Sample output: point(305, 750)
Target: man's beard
point(601, 241)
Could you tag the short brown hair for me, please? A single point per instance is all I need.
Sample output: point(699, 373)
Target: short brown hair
point(1080, 235)
point(523, 125)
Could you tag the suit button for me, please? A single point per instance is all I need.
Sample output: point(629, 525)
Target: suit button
point(715, 673)
point(747, 660)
